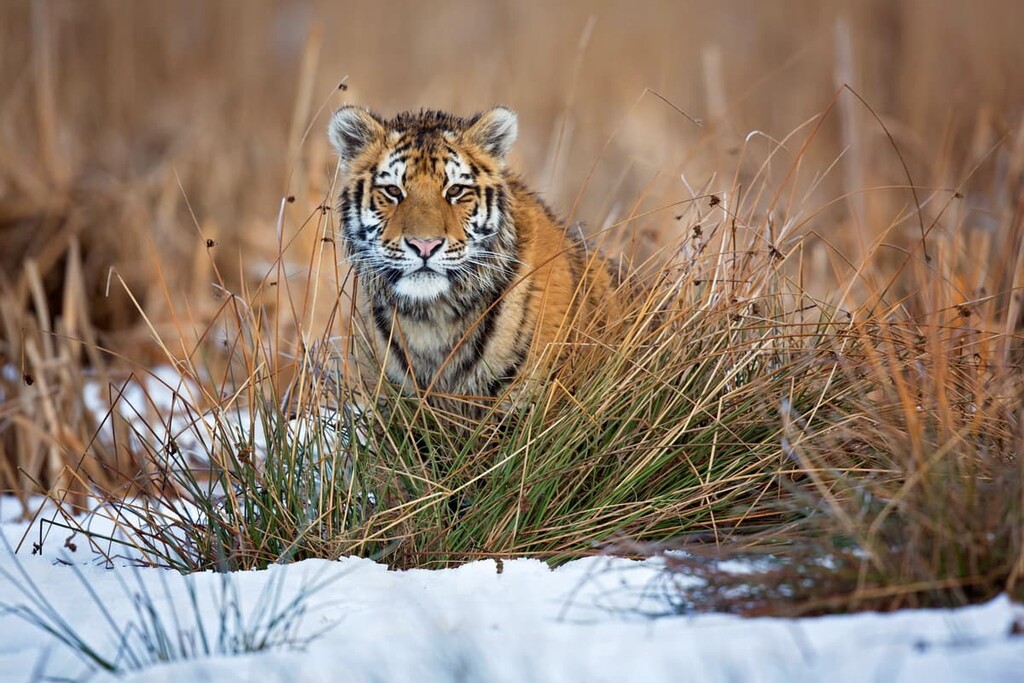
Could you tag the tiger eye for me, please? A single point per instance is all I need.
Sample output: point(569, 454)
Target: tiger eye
point(455, 192)
point(393, 191)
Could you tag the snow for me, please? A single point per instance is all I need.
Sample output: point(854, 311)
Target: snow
point(584, 621)
point(162, 405)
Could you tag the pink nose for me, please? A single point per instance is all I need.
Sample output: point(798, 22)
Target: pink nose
point(426, 248)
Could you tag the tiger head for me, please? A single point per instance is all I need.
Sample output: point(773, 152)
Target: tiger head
point(424, 205)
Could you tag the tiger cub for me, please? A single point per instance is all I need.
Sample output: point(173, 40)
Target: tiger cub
point(463, 275)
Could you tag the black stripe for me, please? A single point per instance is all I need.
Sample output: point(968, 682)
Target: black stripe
point(345, 204)
point(517, 364)
point(350, 228)
point(382, 319)
point(526, 332)
point(488, 206)
point(357, 198)
point(475, 346)
point(495, 386)
point(506, 376)
point(486, 327)
point(376, 202)
point(390, 275)
point(357, 203)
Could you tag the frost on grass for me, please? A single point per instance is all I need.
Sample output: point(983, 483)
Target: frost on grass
point(234, 480)
point(163, 414)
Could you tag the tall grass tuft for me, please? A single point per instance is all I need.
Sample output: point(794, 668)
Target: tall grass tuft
point(914, 500)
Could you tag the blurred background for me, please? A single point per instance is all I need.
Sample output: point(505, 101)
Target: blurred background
point(124, 122)
point(151, 142)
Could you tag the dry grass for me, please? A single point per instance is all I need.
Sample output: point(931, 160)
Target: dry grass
point(827, 341)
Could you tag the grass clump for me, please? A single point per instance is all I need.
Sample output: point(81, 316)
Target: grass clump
point(938, 523)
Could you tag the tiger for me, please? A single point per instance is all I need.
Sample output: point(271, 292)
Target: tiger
point(463, 275)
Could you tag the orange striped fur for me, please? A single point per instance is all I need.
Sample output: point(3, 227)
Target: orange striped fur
point(464, 275)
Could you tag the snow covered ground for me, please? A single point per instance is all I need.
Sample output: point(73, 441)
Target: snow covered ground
point(589, 620)
point(582, 622)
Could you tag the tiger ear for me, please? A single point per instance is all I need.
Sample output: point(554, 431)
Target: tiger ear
point(494, 130)
point(351, 131)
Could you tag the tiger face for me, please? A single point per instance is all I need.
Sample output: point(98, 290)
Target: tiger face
point(424, 204)
point(466, 279)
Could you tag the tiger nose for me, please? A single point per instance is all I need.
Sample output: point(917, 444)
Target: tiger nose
point(426, 248)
